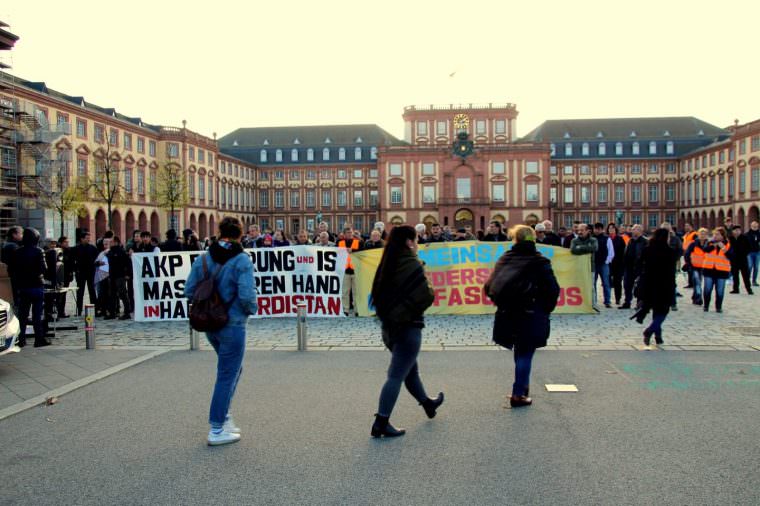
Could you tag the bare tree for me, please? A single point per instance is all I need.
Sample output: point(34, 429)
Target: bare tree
point(171, 189)
point(107, 184)
point(55, 190)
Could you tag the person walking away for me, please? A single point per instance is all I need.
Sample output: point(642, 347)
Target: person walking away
point(677, 245)
point(617, 266)
point(401, 293)
point(716, 269)
point(30, 286)
point(349, 282)
point(603, 257)
point(632, 264)
point(525, 291)
point(84, 269)
point(119, 274)
point(658, 281)
point(694, 257)
point(689, 236)
point(738, 253)
point(7, 254)
point(233, 273)
point(584, 244)
point(102, 291)
point(753, 236)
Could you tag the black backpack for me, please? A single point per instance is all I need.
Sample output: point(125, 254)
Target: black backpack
point(208, 311)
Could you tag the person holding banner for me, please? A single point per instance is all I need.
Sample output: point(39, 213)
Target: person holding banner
point(401, 293)
point(234, 274)
point(525, 291)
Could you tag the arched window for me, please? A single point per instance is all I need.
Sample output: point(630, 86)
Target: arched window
point(373, 153)
point(568, 149)
point(618, 148)
point(669, 148)
point(310, 154)
point(341, 153)
point(278, 155)
point(652, 148)
point(325, 153)
point(357, 153)
point(584, 149)
point(553, 149)
point(602, 149)
point(263, 156)
point(635, 148)
point(293, 155)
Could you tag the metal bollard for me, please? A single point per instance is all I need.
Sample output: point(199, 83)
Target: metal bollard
point(301, 318)
point(89, 326)
point(195, 340)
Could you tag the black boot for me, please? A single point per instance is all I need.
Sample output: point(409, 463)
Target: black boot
point(430, 405)
point(39, 343)
point(383, 428)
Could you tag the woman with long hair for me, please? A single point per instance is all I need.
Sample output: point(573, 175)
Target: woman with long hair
point(525, 291)
point(401, 293)
point(658, 283)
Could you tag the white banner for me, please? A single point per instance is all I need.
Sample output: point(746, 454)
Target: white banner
point(284, 277)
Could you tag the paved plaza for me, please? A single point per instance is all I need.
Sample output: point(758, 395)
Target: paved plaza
point(689, 328)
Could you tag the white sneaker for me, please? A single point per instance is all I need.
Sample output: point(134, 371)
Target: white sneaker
point(229, 426)
point(222, 438)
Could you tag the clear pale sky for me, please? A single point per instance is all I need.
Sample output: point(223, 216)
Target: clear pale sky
point(227, 64)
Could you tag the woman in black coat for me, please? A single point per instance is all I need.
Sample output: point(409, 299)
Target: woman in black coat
point(617, 267)
point(525, 291)
point(31, 261)
point(401, 293)
point(658, 282)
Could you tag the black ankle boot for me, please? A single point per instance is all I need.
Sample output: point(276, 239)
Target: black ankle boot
point(430, 405)
point(383, 428)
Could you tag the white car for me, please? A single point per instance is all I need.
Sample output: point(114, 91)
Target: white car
point(8, 329)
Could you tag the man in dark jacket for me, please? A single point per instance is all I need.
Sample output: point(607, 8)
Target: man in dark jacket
point(375, 240)
point(171, 243)
point(30, 286)
point(753, 236)
point(738, 253)
point(495, 232)
point(85, 255)
point(68, 272)
point(436, 234)
point(12, 243)
point(632, 263)
point(551, 238)
point(603, 257)
point(119, 273)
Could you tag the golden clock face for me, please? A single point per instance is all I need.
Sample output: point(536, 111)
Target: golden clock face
point(461, 122)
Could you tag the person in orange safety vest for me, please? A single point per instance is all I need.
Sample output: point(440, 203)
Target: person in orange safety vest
point(352, 243)
point(716, 268)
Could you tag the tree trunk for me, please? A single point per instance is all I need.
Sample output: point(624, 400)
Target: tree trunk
point(61, 214)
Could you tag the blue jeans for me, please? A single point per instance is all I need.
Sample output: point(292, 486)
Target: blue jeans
point(656, 326)
point(603, 271)
point(229, 350)
point(31, 298)
point(696, 280)
point(523, 364)
point(754, 265)
point(720, 289)
point(403, 369)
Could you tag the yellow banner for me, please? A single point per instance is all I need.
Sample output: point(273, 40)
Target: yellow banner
point(458, 271)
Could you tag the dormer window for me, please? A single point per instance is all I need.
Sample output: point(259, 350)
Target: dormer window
point(327, 140)
point(584, 149)
point(235, 142)
point(701, 133)
point(293, 155)
point(553, 149)
point(567, 135)
point(342, 154)
point(568, 149)
point(666, 133)
point(278, 155)
point(633, 133)
point(266, 142)
point(635, 148)
point(373, 153)
point(263, 156)
point(326, 154)
point(599, 135)
point(359, 140)
point(310, 155)
point(357, 153)
point(296, 141)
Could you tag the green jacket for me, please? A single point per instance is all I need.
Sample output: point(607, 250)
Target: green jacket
point(579, 246)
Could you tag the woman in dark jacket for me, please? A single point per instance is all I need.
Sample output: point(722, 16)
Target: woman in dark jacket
point(31, 261)
point(617, 267)
point(658, 282)
point(525, 291)
point(401, 293)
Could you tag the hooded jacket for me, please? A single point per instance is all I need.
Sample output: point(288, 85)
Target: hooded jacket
point(234, 281)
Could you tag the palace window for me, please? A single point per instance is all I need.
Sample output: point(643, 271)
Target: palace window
point(619, 148)
point(358, 174)
point(653, 190)
point(357, 153)
point(172, 150)
point(201, 186)
point(497, 191)
point(342, 198)
point(585, 194)
point(358, 198)
point(480, 127)
point(601, 193)
point(568, 194)
point(373, 200)
point(341, 153)
point(568, 170)
point(428, 169)
point(279, 198)
point(278, 155)
point(263, 156)
point(498, 167)
point(428, 194)
point(395, 169)
point(201, 157)
point(293, 155)
point(584, 149)
point(568, 149)
point(310, 198)
point(81, 128)
point(602, 149)
point(326, 198)
point(310, 155)
point(440, 127)
point(636, 193)
point(635, 148)
point(140, 145)
point(395, 195)
point(500, 126)
point(127, 141)
point(325, 153)
point(422, 128)
point(141, 182)
point(531, 192)
point(652, 148)
point(463, 188)
point(531, 167)
point(669, 148)
point(295, 199)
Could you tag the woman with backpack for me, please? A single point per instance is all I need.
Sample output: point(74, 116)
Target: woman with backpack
point(401, 293)
point(525, 291)
point(222, 290)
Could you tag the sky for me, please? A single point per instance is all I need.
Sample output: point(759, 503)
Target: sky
point(226, 64)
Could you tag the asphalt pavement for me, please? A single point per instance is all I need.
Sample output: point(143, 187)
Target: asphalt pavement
point(654, 427)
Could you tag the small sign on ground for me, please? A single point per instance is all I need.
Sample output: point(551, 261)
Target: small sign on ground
point(561, 388)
